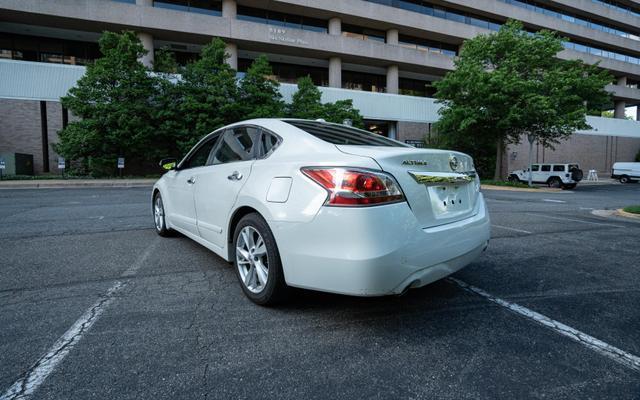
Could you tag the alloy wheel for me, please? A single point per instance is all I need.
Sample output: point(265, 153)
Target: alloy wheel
point(158, 213)
point(252, 260)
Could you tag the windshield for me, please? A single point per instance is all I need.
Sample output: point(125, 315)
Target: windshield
point(342, 134)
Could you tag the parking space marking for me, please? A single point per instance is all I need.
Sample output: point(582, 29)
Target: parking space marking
point(24, 387)
point(512, 229)
point(553, 201)
point(574, 220)
point(627, 359)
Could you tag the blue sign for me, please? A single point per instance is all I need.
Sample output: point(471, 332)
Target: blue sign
point(2, 164)
point(61, 163)
point(120, 162)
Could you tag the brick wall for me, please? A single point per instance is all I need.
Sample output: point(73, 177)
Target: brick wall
point(590, 151)
point(21, 131)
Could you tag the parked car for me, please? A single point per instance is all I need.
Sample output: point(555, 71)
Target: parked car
point(626, 172)
point(565, 176)
point(324, 206)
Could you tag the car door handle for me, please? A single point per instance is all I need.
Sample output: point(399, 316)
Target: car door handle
point(236, 176)
point(191, 180)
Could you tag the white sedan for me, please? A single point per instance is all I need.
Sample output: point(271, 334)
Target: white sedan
point(323, 206)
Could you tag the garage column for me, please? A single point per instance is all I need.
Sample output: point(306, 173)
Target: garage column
point(620, 105)
point(232, 52)
point(147, 43)
point(335, 26)
point(393, 130)
point(335, 72)
point(229, 9)
point(392, 36)
point(619, 111)
point(392, 79)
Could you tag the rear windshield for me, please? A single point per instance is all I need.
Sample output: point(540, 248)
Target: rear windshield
point(342, 134)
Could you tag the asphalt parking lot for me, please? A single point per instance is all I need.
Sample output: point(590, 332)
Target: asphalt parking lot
point(93, 304)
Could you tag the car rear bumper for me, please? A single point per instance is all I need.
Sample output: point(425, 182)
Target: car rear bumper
point(374, 251)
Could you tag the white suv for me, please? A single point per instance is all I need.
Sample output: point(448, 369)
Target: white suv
point(565, 176)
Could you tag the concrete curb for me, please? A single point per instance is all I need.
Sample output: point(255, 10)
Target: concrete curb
point(517, 189)
point(625, 214)
point(75, 184)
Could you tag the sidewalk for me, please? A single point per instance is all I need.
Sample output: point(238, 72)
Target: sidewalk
point(75, 183)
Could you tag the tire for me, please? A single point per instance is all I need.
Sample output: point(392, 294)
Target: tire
point(513, 178)
point(554, 182)
point(624, 179)
point(159, 218)
point(576, 174)
point(252, 265)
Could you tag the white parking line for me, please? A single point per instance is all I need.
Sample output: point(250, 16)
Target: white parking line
point(574, 220)
point(627, 359)
point(24, 387)
point(511, 229)
point(553, 201)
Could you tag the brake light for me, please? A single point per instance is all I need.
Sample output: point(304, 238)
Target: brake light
point(355, 187)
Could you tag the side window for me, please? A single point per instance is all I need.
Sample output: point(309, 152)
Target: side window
point(201, 155)
point(268, 143)
point(558, 168)
point(546, 168)
point(236, 145)
point(535, 168)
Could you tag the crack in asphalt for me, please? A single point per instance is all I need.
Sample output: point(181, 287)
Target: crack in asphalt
point(33, 377)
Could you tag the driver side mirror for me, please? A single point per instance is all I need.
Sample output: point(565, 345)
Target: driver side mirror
point(168, 163)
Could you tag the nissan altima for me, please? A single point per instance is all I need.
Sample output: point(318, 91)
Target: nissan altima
point(322, 206)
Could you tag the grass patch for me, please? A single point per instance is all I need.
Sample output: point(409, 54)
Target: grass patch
point(505, 183)
point(632, 209)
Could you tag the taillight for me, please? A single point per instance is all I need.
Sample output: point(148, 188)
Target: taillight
point(355, 187)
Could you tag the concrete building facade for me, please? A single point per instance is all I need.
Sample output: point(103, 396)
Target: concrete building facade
point(383, 54)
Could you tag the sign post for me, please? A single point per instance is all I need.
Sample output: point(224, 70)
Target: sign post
point(61, 165)
point(120, 165)
point(2, 167)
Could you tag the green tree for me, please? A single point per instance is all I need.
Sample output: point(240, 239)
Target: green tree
point(259, 92)
point(306, 103)
point(165, 61)
point(341, 111)
point(208, 95)
point(510, 84)
point(114, 100)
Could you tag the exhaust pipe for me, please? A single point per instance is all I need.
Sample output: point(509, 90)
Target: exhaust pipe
point(409, 286)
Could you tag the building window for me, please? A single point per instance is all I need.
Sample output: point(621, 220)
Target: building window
point(364, 81)
point(415, 87)
point(433, 46)
point(210, 7)
point(275, 18)
point(58, 51)
point(363, 33)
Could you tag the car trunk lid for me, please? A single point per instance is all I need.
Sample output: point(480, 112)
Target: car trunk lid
point(440, 186)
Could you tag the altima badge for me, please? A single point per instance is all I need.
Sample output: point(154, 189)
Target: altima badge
point(414, 162)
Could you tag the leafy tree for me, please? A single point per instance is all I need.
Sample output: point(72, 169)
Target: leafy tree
point(510, 84)
point(259, 94)
point(306, 103)
point(165, 61)
point(341, 111)
point(114, 101)
point(208, 95)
